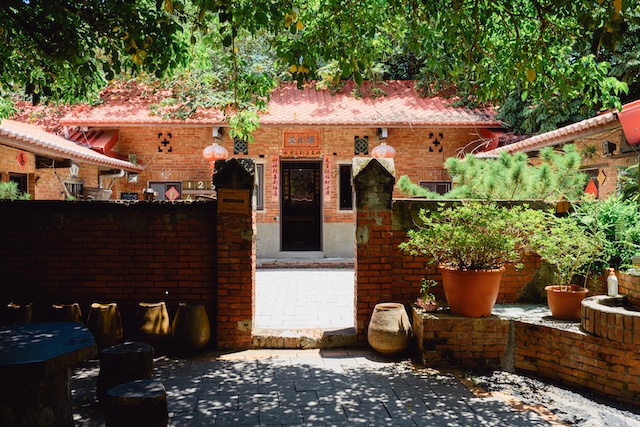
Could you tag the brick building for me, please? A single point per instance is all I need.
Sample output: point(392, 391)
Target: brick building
point(303, 151)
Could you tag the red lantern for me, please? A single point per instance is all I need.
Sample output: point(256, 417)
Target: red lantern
point(215, 152)
point(383, 151)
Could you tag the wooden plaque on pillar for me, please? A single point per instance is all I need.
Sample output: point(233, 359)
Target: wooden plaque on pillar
point(233, 201)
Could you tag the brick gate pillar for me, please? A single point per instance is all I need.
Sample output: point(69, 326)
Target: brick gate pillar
point(236, 257)
point(373, 181)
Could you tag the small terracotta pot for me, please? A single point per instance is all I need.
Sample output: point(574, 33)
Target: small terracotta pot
point(565, 304)
point(471, 293)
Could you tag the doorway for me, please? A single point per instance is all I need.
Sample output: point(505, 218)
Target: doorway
point(301, 210)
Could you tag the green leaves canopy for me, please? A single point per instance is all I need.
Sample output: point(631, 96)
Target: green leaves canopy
point(540, 58)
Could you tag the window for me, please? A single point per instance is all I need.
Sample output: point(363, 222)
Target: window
point(21, 180)
point(167, 190)
point(74, 188)
point(260, 186)
point(346, 189)
point(440, 187)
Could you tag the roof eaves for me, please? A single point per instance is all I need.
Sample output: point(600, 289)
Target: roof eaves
point(37, 141)
point(558, 136)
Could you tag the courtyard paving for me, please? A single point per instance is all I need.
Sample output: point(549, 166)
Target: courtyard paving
point(311, 388)
point(321, 387)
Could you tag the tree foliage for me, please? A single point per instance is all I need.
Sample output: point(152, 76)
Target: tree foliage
point(512, 177)
point(546, 61)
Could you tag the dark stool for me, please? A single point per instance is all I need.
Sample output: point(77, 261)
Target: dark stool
point(137, 403)
point(123, 363)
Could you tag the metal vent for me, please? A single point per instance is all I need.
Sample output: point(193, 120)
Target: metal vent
point(240, 146)
point(361, 145)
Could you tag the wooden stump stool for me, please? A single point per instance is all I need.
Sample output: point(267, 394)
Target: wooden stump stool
point(123, 363)
point(137, 403)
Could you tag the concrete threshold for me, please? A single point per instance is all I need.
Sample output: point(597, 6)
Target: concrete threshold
point(263, 338)
point(291, 263)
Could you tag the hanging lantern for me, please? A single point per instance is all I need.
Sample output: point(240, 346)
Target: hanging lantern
point(383, 151)
point(215, 152)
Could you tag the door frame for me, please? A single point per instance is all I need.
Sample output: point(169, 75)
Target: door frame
point(319, 163)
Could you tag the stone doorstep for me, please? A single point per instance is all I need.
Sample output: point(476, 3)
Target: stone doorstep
point(280, 263)
point(303, 338)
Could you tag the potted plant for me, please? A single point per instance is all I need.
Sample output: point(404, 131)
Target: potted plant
point(471, 242)
point(571, 247)
point(427, 300)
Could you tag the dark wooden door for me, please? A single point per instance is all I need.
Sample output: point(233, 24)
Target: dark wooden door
point(301, 211)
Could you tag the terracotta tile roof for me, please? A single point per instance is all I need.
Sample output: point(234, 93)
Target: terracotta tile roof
point(36, 140)
point(401, 105)
point(561, 135)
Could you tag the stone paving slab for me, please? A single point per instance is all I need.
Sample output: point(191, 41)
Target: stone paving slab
point(308, 388)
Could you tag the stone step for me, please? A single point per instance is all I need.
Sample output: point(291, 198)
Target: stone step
point(304, 338)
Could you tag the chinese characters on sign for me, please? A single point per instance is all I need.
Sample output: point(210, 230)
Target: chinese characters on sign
point(301, 153)
point(327, 177)
point(274, 178)
point(301, 140)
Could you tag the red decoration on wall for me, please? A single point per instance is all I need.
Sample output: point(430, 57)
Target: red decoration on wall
point(275, 178)
point(592, 188)
point(21, 158)
point(383, 151)
point(215, 152)
point(327, 178)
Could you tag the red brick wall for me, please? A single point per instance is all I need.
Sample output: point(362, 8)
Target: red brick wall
point(446, 341)
point(384, 273)
point(578, 359)
point(236, 278)
point(58, 252)
point(185, 161)
point(629, 285)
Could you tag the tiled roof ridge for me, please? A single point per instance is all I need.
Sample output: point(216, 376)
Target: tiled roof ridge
point(397, 103)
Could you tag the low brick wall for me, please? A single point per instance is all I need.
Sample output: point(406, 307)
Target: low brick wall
point(629, 285)
point(581, 360)
point(562, 353)
point(444, 340)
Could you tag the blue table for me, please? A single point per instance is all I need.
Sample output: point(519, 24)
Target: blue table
point(35, 374)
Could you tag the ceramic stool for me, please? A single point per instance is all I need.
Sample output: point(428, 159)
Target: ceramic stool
point(137, 403)
point(123, 363)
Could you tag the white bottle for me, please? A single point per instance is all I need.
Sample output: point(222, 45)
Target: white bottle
point(612, 283)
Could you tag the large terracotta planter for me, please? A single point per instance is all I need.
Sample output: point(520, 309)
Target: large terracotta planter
point(471, 293)
point(565, 304)
point(389, 330)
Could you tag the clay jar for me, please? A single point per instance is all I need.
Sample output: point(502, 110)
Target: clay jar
point(389, 330)
point(190, 328)
point(153, 325)
point(105, 324)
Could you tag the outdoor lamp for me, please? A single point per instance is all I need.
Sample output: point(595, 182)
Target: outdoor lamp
point(215, 152)
point(383, 151)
